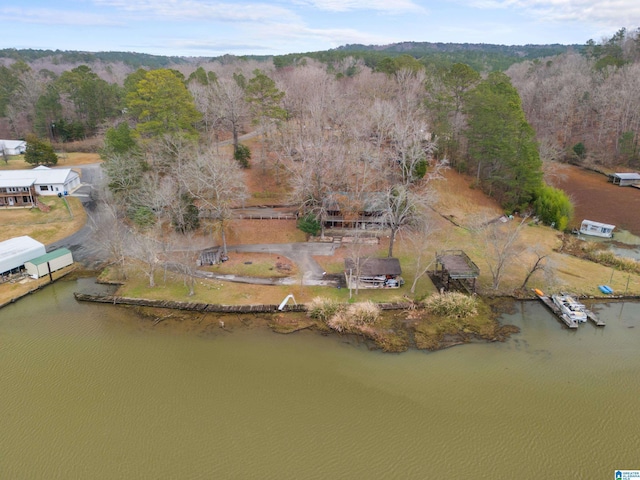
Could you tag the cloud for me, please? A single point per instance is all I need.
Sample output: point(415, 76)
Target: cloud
point(45, 16)
point(606, 13)
point(202, 10)
point(388, 6)
point(215, 46)
point(332, 36)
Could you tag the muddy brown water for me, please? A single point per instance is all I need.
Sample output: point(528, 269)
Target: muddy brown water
point(88, 391)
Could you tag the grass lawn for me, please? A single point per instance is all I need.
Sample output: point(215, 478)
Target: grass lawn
point(263, 265)
point(45, 227)
point(16, 162)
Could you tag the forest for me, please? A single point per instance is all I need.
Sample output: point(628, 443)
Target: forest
point(336, 127)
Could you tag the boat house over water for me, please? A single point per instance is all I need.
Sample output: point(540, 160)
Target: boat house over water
point(456, 266)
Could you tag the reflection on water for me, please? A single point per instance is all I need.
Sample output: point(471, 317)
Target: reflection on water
point(87, 393)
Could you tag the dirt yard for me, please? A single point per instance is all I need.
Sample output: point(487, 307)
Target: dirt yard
point(597, 199)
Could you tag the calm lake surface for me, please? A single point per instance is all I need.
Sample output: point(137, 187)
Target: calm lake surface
point(86, 392)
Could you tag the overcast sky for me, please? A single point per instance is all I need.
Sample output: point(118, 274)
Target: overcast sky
point(239, 27)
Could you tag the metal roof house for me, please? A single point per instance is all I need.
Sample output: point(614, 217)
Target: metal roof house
point(625, 179)
point(18, 250)
point(49, 262)
point(19, 192)
point(13, 147)
point(46, 181)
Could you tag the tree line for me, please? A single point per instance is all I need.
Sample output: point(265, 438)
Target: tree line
point(339, 135)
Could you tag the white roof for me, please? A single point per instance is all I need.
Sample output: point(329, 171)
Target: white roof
point(12, 143)
point(627, 176)
point(17, 245)
point(18, 182)
point(598, 224)
point(42, 175)
point(15, 251)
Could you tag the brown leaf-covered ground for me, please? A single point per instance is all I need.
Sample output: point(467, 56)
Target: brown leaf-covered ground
point(595, 198)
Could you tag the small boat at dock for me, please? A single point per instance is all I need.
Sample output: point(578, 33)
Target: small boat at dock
point(574, 310)
point(567, 309)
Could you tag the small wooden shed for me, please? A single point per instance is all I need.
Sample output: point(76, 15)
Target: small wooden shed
point(625, 179)
point(373, 272)
point(49, 262)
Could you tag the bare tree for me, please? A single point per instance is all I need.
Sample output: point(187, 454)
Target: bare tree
point(110, 233)
point(419, 240)
point(500, 242)
point(146, 249)
point(404, 207)
point(217, 184)
point(358, 253)
point(540, 264)
point(182, 256)
point(227, 102)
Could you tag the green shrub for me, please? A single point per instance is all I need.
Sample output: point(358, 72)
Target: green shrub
point(553, 207)
point(242, 154)
point(579, 151)
point(143, 217)
point(309, 224)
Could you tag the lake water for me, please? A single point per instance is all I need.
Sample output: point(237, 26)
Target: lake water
point(87, 392)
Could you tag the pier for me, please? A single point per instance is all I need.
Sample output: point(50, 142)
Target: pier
point(594, 318)
point(569, 322)
point(554, 308)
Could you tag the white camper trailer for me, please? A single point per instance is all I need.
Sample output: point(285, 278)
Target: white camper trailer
point(597, 229)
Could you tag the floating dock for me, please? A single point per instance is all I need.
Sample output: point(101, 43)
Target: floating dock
point(567, 321)
point(594, 318)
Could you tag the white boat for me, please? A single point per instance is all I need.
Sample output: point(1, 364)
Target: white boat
point(574, 311)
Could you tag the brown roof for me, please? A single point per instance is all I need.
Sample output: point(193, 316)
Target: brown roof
point(371, 267)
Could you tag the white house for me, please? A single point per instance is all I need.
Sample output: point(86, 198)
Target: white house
point(13, 147)
point(18, 250)
point(46, 181)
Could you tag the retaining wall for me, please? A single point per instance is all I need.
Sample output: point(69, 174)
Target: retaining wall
point(207, 307)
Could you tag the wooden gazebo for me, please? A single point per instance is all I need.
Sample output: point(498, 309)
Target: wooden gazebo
point(457, 266)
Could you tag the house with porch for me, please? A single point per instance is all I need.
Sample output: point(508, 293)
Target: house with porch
point(345, 211)
point(20, 187)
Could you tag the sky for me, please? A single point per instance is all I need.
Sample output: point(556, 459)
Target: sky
point(204, 28)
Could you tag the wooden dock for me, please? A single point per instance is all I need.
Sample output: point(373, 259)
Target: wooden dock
point(594, 318)
point(567, 321)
